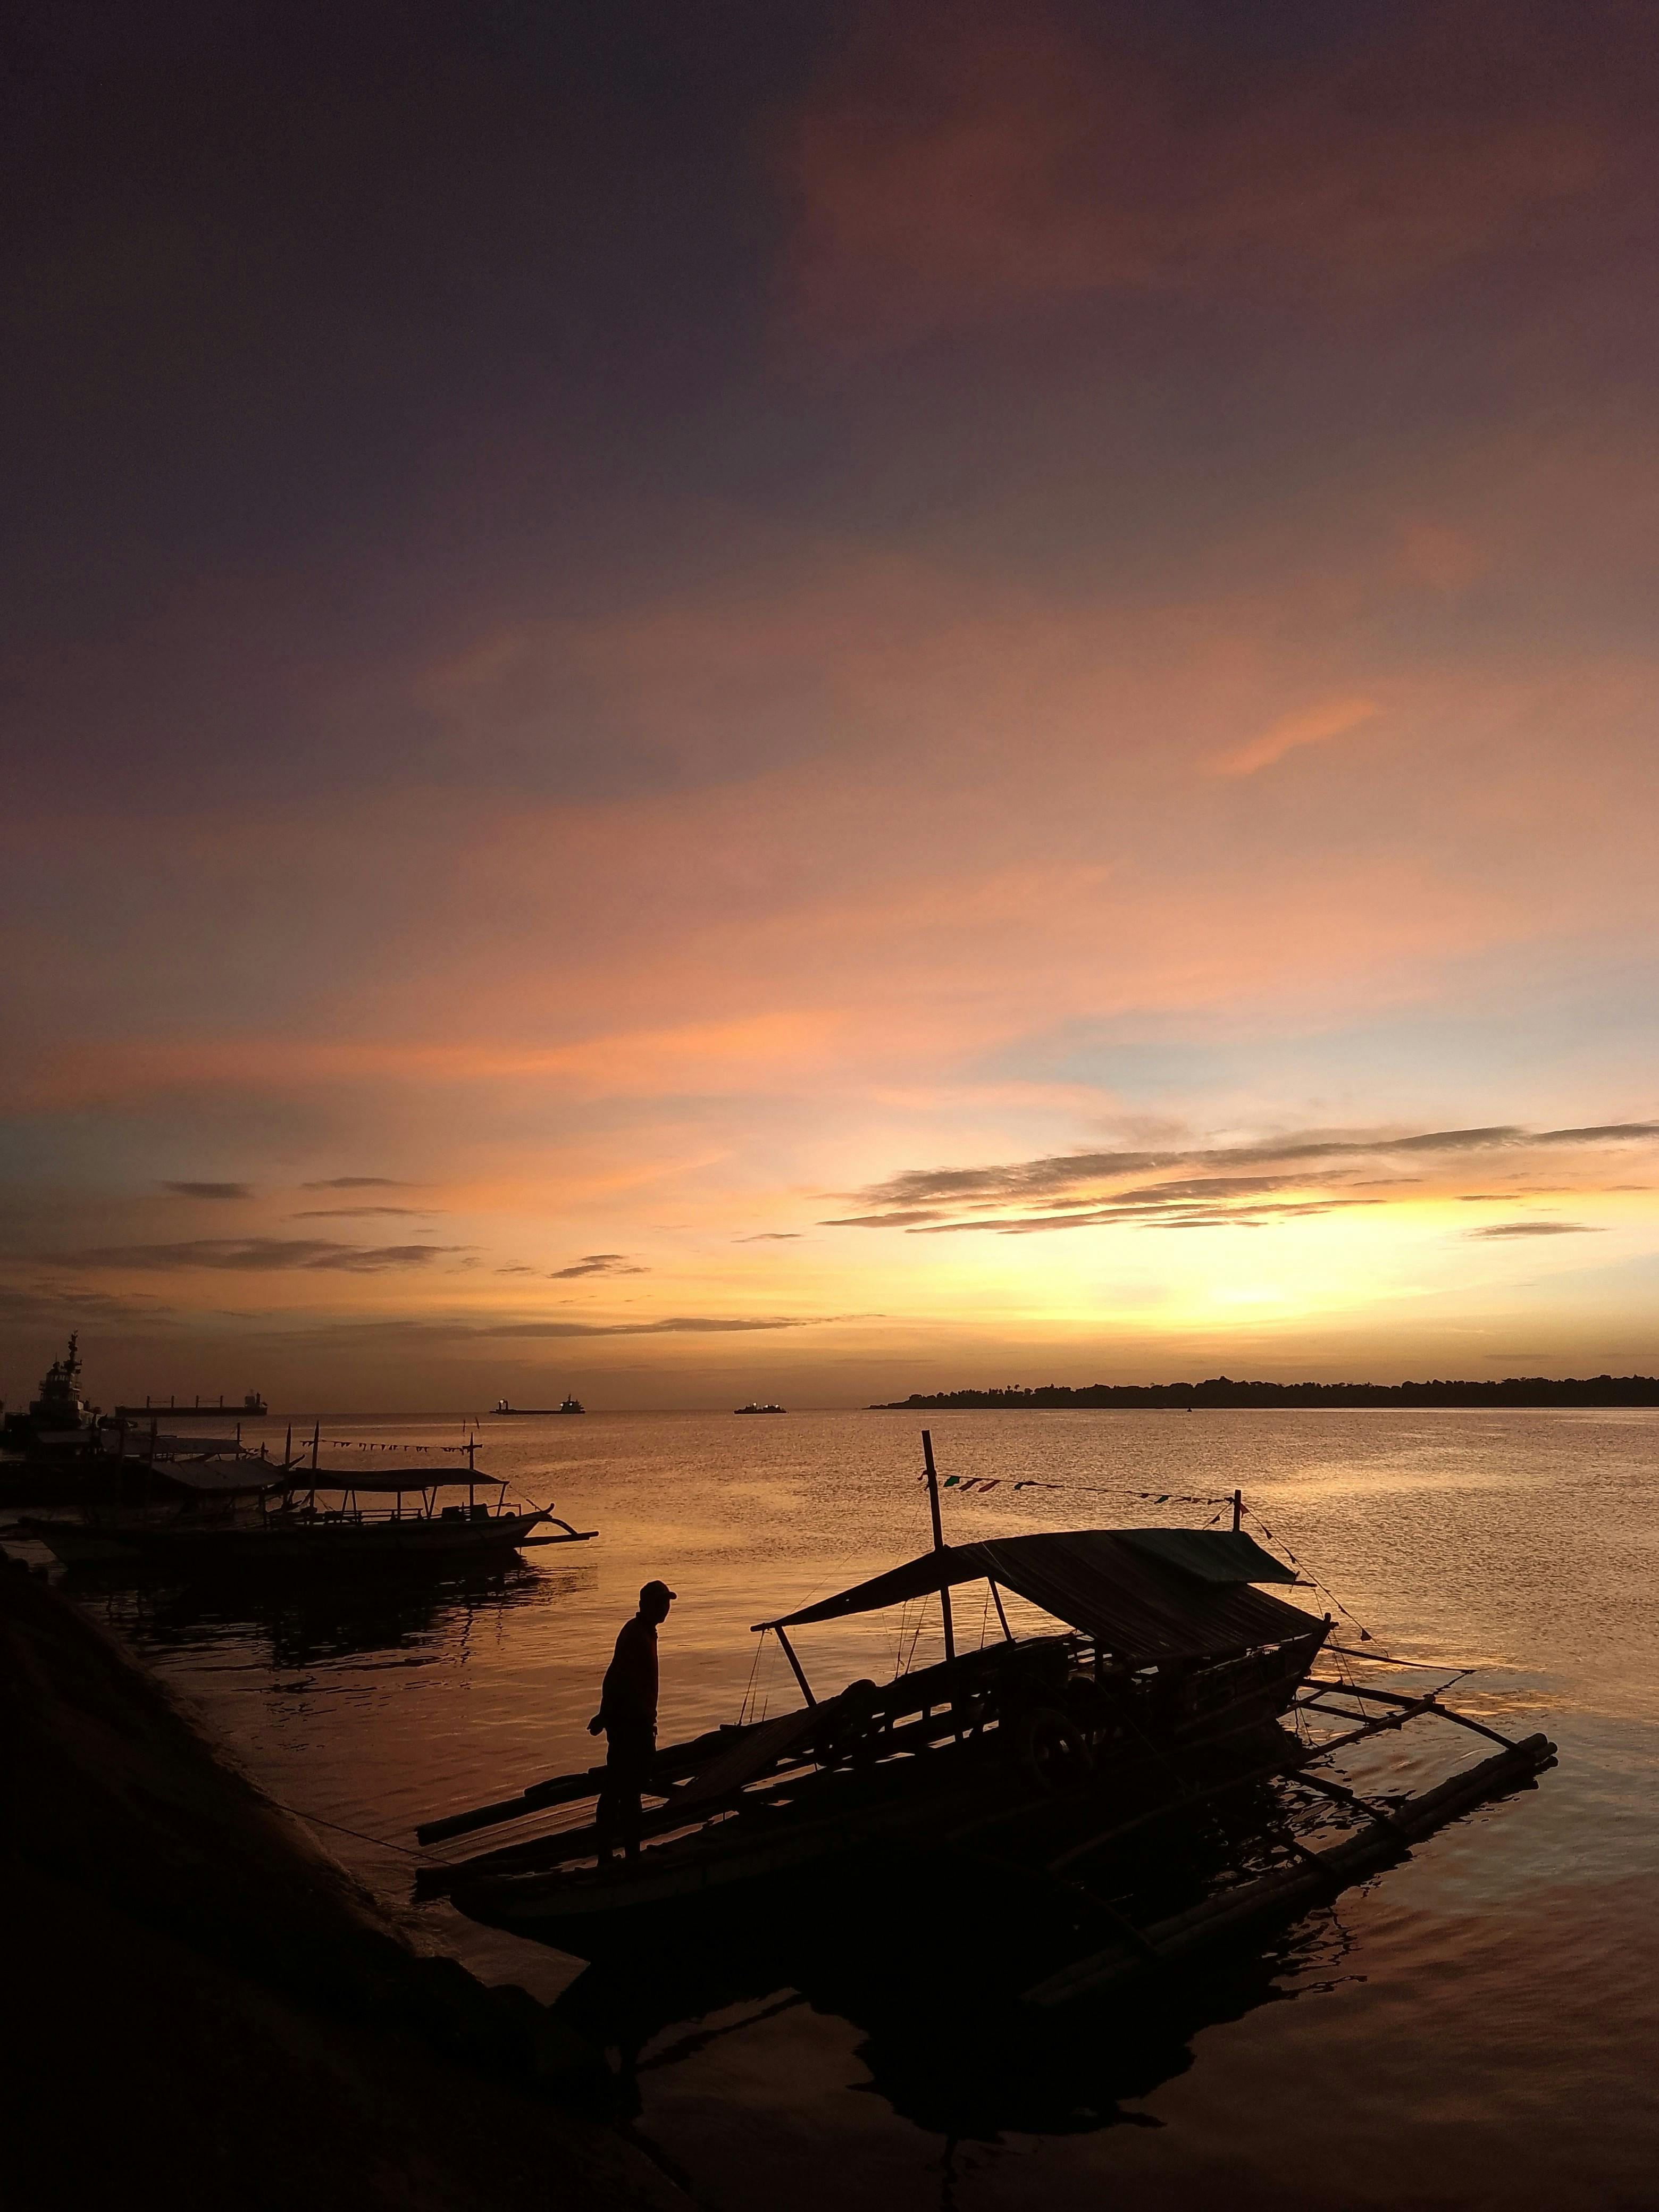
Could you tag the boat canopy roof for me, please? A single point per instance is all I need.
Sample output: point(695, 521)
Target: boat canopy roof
point(224, 1478)
point(1146, 1594)
point(392, 1479)
point(1214, 1555)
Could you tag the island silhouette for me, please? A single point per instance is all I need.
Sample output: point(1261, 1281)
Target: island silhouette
point(1221, 1391)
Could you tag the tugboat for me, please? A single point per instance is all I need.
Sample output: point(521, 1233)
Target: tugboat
point(58, 1419)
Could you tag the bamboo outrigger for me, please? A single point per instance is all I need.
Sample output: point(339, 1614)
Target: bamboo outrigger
point(1162, 1694)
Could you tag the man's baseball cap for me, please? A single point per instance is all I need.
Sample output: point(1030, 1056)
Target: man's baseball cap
point(657, 1589)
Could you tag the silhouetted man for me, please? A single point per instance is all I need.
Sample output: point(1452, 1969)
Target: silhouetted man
point(627, 1715)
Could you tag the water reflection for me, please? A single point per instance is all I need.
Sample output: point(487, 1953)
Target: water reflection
point(306, 1626)
point(928, 1955)
point(946, 2042)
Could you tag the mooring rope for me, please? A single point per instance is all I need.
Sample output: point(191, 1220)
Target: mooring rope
point(318, 1820)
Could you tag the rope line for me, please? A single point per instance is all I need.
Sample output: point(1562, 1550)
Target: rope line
point(1302, 1568)
point(754, 1669)
point(317, 1820)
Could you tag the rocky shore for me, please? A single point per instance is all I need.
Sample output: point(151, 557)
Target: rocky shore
point(203, 2008)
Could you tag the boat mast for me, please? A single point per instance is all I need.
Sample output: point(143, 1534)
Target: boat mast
point(939, 1543)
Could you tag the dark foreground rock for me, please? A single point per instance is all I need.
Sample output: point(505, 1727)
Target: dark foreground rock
point(201, 2008)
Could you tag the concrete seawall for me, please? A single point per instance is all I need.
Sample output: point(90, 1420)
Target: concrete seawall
point(202, 2008)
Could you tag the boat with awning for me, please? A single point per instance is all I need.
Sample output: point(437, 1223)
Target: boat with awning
point(1155, 1645)
point(242, 1513)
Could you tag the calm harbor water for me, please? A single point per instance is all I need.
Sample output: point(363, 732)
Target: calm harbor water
point(1476, 2026)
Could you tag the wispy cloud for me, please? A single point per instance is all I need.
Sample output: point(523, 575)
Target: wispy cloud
point(264, 1255)
point(76, 1305)
point(1179, 1213)
point(1332, 718)
point(1057, 1172)
point(1535, 1229)
point(958, 165)
point(900, 1220)
point(359, 1182)
point(1072, 1190)
point(210, 1189)
point(675, 1325)
point(357, 1212)
point(769, 1237)
point(597, 1263)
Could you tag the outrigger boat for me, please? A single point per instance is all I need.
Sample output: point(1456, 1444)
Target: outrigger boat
point(1161, 1688)
point(246, 1514)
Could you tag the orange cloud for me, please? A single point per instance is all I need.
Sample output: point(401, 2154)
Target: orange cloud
point(961, 162)
point(697, 1054)
point(1332, 718)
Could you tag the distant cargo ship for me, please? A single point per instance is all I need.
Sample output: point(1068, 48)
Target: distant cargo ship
point(753, 1408)
point(252, 1408)
point(539, 1412)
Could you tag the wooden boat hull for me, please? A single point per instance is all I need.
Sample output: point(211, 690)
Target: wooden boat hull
point(322, 1546)
point(767, 1865)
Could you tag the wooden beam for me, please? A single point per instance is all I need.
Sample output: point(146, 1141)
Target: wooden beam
point(800, 1672)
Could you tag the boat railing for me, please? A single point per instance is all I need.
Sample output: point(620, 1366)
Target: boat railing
point(357, 1516)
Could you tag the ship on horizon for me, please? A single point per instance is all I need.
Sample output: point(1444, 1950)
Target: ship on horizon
point(252, 1408)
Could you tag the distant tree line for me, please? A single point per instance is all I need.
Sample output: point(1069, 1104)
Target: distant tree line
point(1222, 1390)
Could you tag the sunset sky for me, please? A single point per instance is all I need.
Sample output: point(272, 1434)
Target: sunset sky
point(799, 700)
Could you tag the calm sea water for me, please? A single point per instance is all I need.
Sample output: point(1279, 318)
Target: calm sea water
point(1477, 2025)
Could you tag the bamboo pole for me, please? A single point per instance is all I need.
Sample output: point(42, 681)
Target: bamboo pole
point(800, 1672)
point(938, 1544)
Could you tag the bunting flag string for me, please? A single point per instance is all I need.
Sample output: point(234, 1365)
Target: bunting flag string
point(350, 1444)
point(965, 1483)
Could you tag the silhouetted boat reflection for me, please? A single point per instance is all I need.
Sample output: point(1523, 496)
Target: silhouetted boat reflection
point(316, 1622)
point(945, 2038)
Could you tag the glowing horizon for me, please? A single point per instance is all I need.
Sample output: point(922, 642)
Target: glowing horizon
point(999, 721)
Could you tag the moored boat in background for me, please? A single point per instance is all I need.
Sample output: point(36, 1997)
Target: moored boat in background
point(237, 1513)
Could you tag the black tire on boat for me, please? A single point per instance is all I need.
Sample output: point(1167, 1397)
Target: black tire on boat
point(1053, 1750)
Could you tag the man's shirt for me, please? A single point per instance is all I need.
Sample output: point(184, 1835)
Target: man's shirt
point(629, 1695)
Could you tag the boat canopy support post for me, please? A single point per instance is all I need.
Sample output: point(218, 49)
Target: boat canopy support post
point(996, 1599)
point(800, 1672)
point(939, 1546)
